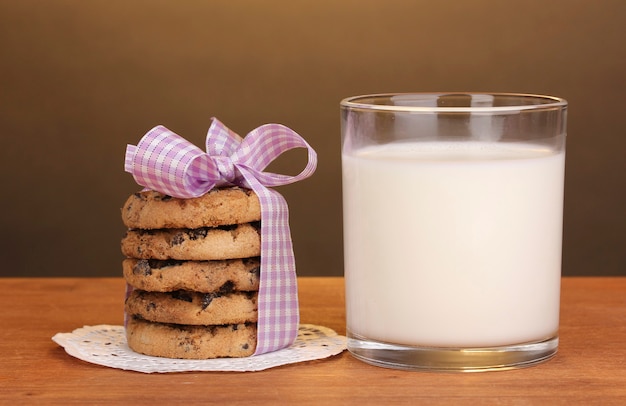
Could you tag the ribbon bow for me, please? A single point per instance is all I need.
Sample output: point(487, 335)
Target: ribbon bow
point(166, 162)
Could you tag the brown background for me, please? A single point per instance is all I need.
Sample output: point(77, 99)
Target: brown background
point(81, 79)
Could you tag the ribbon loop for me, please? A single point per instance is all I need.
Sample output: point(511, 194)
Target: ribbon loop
point(166, 162)
point(266, 143)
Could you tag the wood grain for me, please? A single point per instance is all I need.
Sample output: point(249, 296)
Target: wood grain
point(590, 367)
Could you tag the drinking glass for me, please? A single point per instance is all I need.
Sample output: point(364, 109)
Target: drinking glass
point(453, 211)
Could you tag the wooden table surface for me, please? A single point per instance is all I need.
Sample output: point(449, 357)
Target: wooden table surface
point(590, 367)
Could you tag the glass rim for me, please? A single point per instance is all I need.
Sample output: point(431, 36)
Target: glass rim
point(544, 102)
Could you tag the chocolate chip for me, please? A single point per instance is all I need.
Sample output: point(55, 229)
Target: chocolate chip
point(159, 264)
point(256, 270)
point(197, 233)
point(227, 287)
point(182, 295)
point(142, 267)
point(207, 298)
point(178, 239)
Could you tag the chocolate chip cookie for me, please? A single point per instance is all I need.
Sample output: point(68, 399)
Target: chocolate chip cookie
point(207, 243)
point(199, 276)
point(193, 308)
point(225, 206)
point(191, 342)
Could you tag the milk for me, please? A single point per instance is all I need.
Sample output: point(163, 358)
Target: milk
point(453, 244)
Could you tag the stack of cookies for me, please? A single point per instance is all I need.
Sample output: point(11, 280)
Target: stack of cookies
point(193, 265)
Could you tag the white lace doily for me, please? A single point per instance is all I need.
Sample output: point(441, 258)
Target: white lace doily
point(106, 345)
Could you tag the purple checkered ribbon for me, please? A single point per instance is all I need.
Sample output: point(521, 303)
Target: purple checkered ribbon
point(165, 162)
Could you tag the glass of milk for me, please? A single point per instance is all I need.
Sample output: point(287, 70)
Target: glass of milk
point(453, 212)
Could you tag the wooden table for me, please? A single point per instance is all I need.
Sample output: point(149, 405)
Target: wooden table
point(590, 367)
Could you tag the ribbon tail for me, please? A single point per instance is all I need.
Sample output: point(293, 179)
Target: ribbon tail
point(278, 311)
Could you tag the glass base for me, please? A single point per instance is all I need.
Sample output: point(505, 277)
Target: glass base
point(452, 359)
